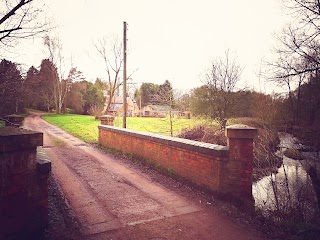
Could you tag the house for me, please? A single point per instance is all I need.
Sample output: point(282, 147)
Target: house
point(159, 111)
point(116, 106)
point(185, 114)
point(132, 108)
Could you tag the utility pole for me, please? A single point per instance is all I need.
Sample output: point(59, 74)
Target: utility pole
point(124, 124)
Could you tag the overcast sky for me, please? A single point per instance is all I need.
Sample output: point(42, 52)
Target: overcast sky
point(167, 39)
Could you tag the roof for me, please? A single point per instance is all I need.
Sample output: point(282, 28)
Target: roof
point(117, 104)
point(116, 99)
point(115, 107)
point(160, 108)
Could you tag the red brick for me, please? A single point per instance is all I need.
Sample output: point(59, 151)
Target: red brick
point(231, 174)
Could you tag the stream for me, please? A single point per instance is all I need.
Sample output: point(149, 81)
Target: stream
point(290, 188)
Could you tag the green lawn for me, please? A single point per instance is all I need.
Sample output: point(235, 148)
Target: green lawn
point(83, 127)
point(86, 127)
point(157, 125)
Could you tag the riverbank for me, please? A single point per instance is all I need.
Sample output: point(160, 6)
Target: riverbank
point(288, 197)
point(308, 138)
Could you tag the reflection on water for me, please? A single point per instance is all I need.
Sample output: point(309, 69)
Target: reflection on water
point(290, 188)
point(288, 183)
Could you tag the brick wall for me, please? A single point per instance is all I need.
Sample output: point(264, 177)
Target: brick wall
point(23, 182)
point(225, 170)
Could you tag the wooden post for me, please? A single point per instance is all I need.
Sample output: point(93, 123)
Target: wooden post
point(124, 125)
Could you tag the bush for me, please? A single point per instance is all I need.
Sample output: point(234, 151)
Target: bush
point(265, 159)
point(195, 133)
point(205, 133)
point(252, 122)
point(96, 111)
point(293, 154)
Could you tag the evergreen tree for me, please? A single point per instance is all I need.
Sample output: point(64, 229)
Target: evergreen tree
point(11, 82)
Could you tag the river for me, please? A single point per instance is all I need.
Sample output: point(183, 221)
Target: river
point(291, 187)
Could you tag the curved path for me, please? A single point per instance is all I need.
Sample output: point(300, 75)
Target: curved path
point(113, 201)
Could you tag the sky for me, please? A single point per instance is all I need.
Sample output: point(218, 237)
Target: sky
point(167, 39)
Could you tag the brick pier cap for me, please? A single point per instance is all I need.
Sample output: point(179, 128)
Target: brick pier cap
point(107, 120)
point(241, 131)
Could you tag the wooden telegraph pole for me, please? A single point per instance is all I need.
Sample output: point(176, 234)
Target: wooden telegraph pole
point(124, 125)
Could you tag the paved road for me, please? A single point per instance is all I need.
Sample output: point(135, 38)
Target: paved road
point(113, 201)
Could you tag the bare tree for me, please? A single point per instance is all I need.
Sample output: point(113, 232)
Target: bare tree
point(113, 61)
point(221, 79)
point(55, 50)
point(111, 52)
point(299, 42)
point(284, 72)
point(20, 19)
point(298, 50)
point(164, 96)
point(54, 47)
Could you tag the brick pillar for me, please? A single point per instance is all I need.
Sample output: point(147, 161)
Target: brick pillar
point(107, 120)
point(23, 182)
point(237, 174)
point(43, 172)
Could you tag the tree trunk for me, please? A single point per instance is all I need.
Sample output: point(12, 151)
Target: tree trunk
point(315, 179)
point(292, 105)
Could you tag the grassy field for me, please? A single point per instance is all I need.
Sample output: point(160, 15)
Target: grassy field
point(86, 127)
point(157, 125)
point(83, 127)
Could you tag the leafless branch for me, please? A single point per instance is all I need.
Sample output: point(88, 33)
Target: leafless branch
point(19, 19)
point(111, 53)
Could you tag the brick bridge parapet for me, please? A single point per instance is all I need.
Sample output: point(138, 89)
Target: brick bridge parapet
point(226, 170)
point(24, 172)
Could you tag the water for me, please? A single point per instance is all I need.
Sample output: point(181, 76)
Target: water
point(290, 188)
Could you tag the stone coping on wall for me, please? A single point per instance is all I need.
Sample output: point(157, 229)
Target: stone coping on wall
point(205, 148)
point(12, 139)
point(241, 131)
point(43, 161)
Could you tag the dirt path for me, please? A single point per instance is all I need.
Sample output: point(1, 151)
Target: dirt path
point(111, 200)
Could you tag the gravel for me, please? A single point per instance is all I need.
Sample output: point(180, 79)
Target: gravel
point(62, 223)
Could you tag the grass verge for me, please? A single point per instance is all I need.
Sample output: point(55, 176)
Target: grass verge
point(86, 127)
point(158, 125)
point(80, 126)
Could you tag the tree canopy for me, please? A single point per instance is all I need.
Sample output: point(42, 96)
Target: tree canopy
point(11, 82)
point(151, 93)
point(215, 98)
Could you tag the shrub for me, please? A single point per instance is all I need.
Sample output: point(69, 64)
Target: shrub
point(293, 154)
point(96, 111)
point(205, 133)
